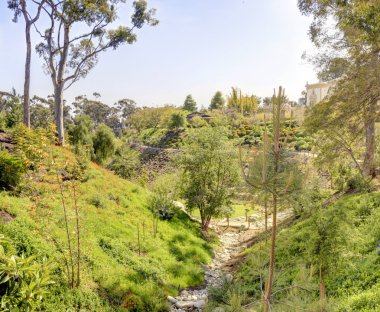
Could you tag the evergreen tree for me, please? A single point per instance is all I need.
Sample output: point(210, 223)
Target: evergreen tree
point(217, 102)
point(190, 104)
point(104, 144)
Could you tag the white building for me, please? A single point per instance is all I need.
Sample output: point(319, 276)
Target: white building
point(317, 92)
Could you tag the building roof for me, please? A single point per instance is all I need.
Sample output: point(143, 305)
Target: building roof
point(203, 116)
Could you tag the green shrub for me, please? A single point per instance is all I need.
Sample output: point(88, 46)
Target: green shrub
point(80, 135)
point(177, 120)
point(98, 201)
point(125, 162)
point(33, 145)
point(162, 206)
point(11, 170)
point(3, 121)
point(104, 144)
point(23, 281)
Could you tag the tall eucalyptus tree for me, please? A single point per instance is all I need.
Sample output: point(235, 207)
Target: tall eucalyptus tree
point(78, 31)
point(20, 8)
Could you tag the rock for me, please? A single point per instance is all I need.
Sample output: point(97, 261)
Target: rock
point(184, 304)
point(228, 277)
point(200, 304)
point(172, 300)
point(184, 293)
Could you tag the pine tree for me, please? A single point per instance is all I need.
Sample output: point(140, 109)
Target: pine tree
point(190, 104)
point(217, 102)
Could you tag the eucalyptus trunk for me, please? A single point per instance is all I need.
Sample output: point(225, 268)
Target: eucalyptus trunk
point(370, 132)
point(26, 115)
point(370, 146)
point(58, 113)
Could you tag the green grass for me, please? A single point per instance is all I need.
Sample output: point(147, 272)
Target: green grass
point(110, 211)
point(239, 211)
point(353, 276)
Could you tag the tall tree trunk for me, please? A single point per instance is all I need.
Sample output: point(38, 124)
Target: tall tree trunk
point(26, 117)
point(370, 146)
point(369, 156)
point(58, 101)
point(269, 284)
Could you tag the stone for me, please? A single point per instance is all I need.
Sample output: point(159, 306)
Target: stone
point(200, 304)
point(184, 304)
point(228, 277)
point(184, 293)
point(172, 300)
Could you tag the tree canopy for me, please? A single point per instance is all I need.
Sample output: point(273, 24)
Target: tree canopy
point(190, 104)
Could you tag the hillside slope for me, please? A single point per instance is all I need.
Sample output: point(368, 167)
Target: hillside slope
point(111, 211)
point(342, 240)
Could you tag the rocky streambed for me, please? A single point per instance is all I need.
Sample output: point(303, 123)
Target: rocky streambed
point(195, 299)
point(231, 244)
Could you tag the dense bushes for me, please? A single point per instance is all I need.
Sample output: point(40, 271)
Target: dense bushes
point(23, 281)
point(11, 170)
point(341, 240)
point(104, 143)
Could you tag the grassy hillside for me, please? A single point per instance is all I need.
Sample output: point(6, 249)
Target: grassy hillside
point(350, 259)
point(110, 210)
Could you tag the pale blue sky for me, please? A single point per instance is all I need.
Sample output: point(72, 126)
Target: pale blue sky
point(199, 47)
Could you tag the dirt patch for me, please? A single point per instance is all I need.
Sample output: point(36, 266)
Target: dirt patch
point(6, 217)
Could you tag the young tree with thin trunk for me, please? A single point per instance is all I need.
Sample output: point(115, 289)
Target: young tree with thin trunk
point(277, 102)
point(20, 7)
point(273, 173)
point(69, 55)
point(210, 171)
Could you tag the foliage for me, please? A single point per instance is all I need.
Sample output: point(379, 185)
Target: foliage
point(217, 101)
point(11, 107)
point(131, 302)
point(151, 117)
point(32, 145)
point(80, 134)
point(342, 239)
point(125, 162)
point(69, 60)
point(190, 104)
point(198, 122)
point(161, 202)
point(246, 104)
point(350, 52)
point(177, 120)
point(42, 112)
point(103, 143)
point(210, 170)
point(24, 282)
point(11, 170)
point(110, 264)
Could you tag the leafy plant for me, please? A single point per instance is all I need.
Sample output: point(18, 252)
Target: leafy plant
point(11, 170)
point(104, 143)
point(23, 281)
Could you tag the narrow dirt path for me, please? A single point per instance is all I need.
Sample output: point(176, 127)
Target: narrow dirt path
point(233, 240)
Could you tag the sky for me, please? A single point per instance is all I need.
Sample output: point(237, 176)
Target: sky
point(198, 48)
